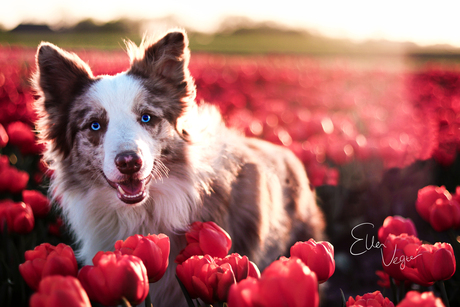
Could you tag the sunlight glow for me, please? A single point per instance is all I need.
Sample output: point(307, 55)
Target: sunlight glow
point(423, 22)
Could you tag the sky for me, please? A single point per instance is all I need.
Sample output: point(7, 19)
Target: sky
point(422, 22)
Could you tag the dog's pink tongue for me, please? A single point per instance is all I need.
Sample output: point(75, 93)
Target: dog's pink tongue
point(131, 191)
point(132, 187)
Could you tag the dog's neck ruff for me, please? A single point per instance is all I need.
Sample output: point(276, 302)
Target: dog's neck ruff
point(98, 218)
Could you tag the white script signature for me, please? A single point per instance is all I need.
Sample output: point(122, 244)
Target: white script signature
point(359, 247)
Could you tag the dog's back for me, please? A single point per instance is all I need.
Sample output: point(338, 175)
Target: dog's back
point(268, 205)
point(259, 192)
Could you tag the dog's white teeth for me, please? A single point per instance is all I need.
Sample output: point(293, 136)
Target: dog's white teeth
point(122, 192)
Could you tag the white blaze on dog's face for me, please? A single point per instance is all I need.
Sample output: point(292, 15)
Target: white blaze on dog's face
point(120, 128)
point(128, 129)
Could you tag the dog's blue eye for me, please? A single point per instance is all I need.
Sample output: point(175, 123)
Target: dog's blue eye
point(145, 118)
point(95, 126)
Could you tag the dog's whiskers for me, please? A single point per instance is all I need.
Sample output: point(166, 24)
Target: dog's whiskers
point(159, 171)
point(95, 177)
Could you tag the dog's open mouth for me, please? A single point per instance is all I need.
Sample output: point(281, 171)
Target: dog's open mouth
point(131, 191)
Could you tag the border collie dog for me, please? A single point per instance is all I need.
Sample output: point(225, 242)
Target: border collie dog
point(135, 154)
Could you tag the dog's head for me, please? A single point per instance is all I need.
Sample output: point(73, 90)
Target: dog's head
point(115, 130)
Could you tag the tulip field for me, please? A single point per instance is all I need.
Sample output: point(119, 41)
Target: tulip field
point(379, 139)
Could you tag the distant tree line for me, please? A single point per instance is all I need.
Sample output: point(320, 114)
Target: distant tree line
point(85, 26)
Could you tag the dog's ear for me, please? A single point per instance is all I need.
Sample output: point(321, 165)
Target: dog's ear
point(60, 77)
point(163, 64)
point(167, 57)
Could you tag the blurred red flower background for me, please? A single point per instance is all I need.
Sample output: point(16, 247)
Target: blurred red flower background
point(370, 137)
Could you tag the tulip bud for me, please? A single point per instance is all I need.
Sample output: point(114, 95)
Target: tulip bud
point(3, 137)
point(433, 263)
point(18, 217)
point(55, 228)
point(426, 299)
point(396, 225)
point(241, 266)
point(243, 294)
point(445, 214)
point(205, 239)
point(374, 299)
point(205, 279)
point(153, 250)
point(285, 282)
point(427, 196)
point(48, 260)
point(4, 162)
point(39, 203)
point(398, 254)
point(12, 180)
point(318, 256)
point(22, 136)
point(60, 291)
point(114, 277)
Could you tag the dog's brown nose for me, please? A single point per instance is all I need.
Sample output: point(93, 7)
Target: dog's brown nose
point(128, 162)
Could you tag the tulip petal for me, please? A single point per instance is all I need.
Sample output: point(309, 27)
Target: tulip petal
point(213, 242)
point(444, 265)
point(201, 290)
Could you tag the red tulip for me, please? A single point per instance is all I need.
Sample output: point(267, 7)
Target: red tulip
point(3, 137)
point(396, 225)
point(445, 214)
point(205, 239)
point(204, 278)
point(22, 136)
point(384, 280)
point(455, 196)
point(318, 256)
point(427, 196)
point(99, 254)
point(241, 266)
point(48, 260)
point(114, 277)
point(285, 282)
point(189, 268)
point(291, 281)
point(445, 155)
point(19, 217)
point(244, 293)
point(153, 250)
point(60, 291)
point(55, 228)
point(320, 174)
point(433, 263)
point(12, 180)
point(39, 203)
point(425, 299)
point(399, 253)
point(374, 299)
point(4, 162)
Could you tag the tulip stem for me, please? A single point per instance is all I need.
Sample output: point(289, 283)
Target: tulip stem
point(148, 301)
point(187, 296)
point(455, 244)
point(444, 293)
point(394, 290)
point(402, 290)
point(344, 300)
point(125, 302)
